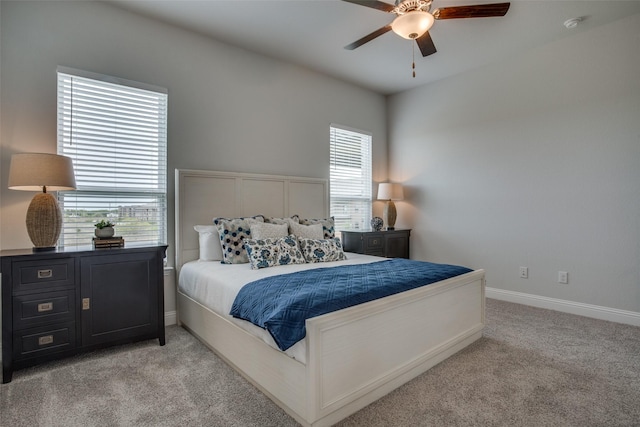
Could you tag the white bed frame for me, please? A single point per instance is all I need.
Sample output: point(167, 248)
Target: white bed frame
point(355, 355)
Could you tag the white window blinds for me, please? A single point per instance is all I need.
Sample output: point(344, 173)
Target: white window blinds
point(116, 133)
point(350, 178)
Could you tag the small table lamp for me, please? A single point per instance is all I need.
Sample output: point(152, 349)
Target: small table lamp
point(42, 172)
point(390, 192)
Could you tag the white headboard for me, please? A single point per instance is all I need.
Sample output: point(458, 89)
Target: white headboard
point(204, 195)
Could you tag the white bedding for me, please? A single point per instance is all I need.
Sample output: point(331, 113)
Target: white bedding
point(216, 285)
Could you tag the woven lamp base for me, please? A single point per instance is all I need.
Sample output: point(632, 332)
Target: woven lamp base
point(44, 222)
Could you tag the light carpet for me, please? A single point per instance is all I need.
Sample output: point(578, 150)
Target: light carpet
point(533, 367)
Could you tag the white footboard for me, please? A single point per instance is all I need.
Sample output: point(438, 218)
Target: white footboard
point(357, 355)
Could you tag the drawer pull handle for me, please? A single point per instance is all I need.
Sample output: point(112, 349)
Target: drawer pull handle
point(375, 241)
point(45, 274)
point(47, 339)
point(45, 306)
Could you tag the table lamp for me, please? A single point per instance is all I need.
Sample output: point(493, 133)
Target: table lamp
point(42, 172)
point(390, 192)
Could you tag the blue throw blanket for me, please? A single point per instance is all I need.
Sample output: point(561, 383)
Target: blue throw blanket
point(281, 304)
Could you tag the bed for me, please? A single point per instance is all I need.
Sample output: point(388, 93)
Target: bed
point(349, 358)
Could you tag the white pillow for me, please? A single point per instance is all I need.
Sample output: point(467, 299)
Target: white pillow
point(263, 230)
point(306, 231)
point(210, 249)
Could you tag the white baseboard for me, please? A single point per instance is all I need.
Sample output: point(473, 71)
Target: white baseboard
point(170, 318)
point(587, 310)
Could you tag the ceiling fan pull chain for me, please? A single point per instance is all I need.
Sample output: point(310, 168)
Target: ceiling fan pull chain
point(413, 64)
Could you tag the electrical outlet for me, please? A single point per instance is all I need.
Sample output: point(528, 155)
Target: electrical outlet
point(563, 277)
point(524, 272)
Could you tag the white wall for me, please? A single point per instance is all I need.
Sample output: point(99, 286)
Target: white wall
point(534, 161)
point(229, 109)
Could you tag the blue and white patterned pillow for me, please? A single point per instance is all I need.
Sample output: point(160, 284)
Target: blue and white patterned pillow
point(265, 253)
point(328, 226)
point(232, 233)
point(324, 250)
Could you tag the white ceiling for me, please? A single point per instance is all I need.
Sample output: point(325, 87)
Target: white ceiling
point(313, 33)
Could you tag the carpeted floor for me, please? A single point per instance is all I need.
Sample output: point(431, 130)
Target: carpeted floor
point(533, 367)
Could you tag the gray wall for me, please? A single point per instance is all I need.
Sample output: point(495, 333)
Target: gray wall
point(534, 161)
point(229, 109)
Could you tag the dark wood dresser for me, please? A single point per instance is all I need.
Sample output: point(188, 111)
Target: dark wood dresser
point(390, 244)
point(59, 303)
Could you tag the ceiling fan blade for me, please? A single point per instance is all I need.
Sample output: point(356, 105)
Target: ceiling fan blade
point(380, 5)
point(368, 37)
point(477, 11)
point(426, 44)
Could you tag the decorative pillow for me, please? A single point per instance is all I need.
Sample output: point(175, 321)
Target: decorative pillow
point(323, 250)
point(294, 218)
point(271, 252)
point(210, 249)
point(306, 231)
point(328, 226)
point(232, 232)
point(263, 230)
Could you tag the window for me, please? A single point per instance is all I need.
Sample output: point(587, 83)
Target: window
point(350, 178)
point(116, 133)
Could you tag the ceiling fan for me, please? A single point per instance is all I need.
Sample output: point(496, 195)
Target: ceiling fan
point(414, 18)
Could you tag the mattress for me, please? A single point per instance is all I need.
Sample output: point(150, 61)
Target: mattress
point(215, 285)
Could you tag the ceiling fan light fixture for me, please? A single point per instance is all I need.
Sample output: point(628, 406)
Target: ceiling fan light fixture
point(412, 25)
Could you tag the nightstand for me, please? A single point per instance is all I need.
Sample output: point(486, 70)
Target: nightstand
point(389, 243)
point(60, 303)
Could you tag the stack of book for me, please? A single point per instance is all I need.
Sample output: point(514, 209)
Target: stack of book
point(108, 242)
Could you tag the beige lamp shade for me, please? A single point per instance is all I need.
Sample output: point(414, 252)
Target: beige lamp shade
point(389, 192)
point(34, 171)
point(42, 172)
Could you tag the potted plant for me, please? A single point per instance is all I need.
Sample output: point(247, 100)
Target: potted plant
point(104, 229)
